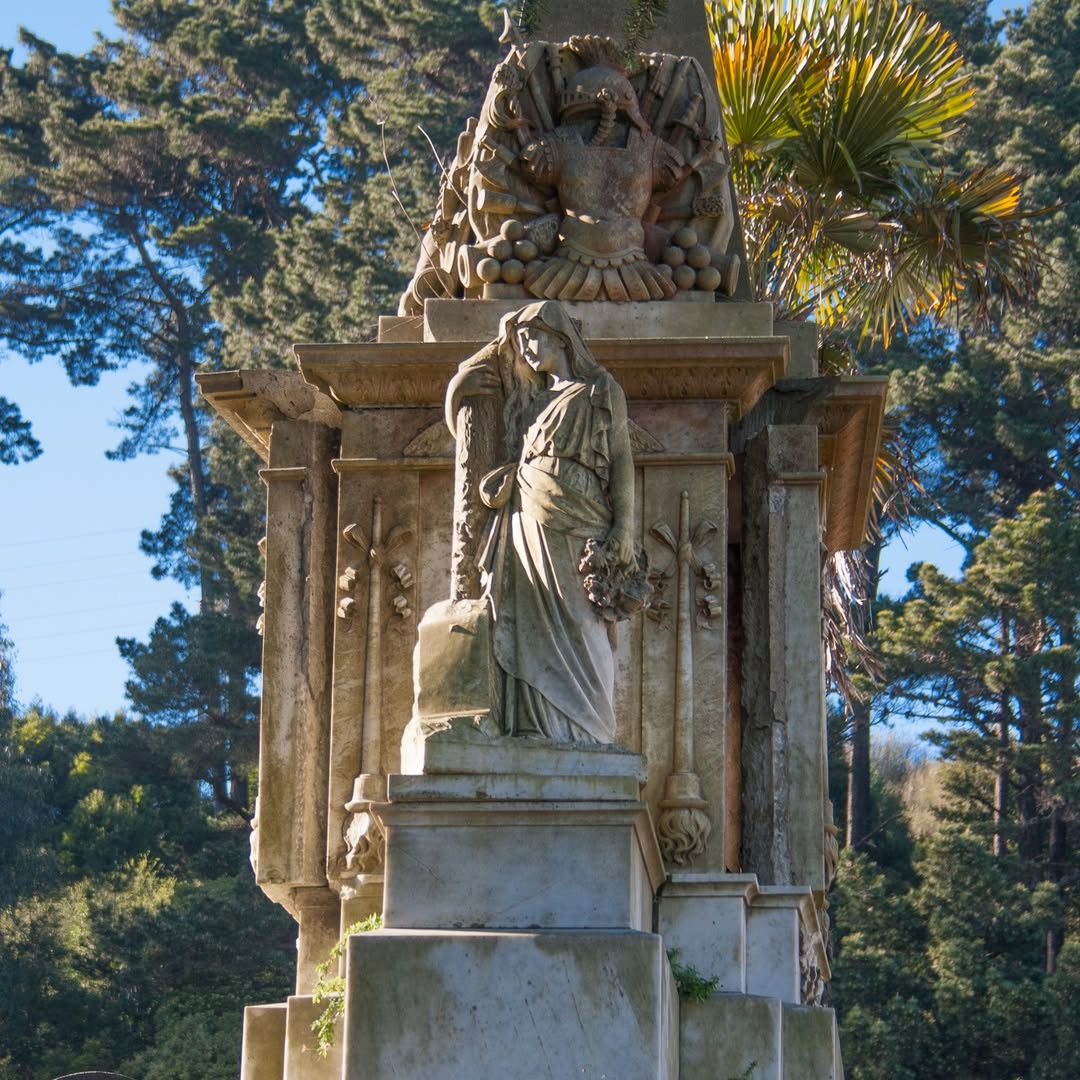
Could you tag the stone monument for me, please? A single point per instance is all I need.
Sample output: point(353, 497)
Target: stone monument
point(542, 662)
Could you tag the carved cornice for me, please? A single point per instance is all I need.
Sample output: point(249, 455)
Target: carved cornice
point(849, 440)
point(387, 374)
point(250, 401)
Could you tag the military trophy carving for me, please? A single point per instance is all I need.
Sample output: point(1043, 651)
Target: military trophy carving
point(583, 180)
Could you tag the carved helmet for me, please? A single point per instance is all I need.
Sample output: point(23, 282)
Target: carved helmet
point(591, 87)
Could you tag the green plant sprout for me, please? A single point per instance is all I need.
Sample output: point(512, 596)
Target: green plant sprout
point(691, 984)
point(331, 988)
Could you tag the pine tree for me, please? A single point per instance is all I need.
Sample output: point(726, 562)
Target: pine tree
point(995, 421)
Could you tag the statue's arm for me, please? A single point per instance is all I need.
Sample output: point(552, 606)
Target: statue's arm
point(477, 376)
point(621, 536)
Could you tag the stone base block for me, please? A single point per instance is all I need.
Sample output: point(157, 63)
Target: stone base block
point(704, 916)
point(478, 320)
point(734, 1035)
point(773, 954)
point(760, 940)
point(463, 745)
point(263, 1053)
point(811, 1044)
point(730, 1035)
point(519, 865)
point(302, 1060)
point(510, 1006)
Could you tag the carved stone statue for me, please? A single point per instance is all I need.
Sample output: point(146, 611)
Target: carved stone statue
point(556, 559)
point(585, 181)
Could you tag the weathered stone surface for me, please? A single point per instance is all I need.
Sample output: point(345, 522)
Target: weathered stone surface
point(811, 1047)
point(703, 915)
point(319, 912)
point(683, 662)
point(380, 588)
point(453, 666)
point(804, 348)
point(556, 215)
point(772, 949)
point(302, 1060)
point(478, 320)
point(783, 744)
point(516, 786)
point(462, 746)
point(589, 865)
point(729, 1034)
point(401, 328)
point(263, 1054)
point(290, 840)
point(250, 402)
point(387, 377)
point(681, 29)
point(488, 1006)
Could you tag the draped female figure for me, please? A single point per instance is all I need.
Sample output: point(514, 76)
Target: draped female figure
point(567, 479)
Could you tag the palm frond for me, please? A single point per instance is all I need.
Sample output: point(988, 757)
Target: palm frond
point(833, 109)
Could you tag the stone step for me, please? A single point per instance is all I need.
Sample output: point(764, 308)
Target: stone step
point(759, 940)
point(737, 1036)
point(510, 1006)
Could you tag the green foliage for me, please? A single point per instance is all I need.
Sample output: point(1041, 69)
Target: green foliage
point(118, 889)
point(834, 112)
point(330, 986)
point(992, 655)
point(747, 1073)
point(691, 984)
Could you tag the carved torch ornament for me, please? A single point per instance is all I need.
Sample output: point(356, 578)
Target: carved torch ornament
point(684, 826)
point(363, 836)
point(583, 180)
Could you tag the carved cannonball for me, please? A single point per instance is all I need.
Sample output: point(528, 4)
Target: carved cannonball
point(489, 270)
point(666, 270)
point(685, 277)
point(686, 237)
point(673, 255)
point(513, 271)
point(500, 248)
point(512, 229)
point(708, 279)
point(699, 256)
point(525, 250)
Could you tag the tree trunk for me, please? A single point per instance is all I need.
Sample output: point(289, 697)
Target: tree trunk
point(1061, 772)
point(1001, 779)
point(858, 803)
point(1032, 734)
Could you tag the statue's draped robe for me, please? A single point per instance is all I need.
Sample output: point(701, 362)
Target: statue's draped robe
point(552, 647)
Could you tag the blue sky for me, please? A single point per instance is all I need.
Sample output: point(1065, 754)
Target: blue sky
point(72, 578)
point(71, 574)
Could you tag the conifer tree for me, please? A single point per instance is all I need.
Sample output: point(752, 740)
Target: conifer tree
point(995, 422)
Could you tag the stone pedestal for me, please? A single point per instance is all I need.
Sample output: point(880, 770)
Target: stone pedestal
point(591, 859)
point(510, 1006)
point(764, 945)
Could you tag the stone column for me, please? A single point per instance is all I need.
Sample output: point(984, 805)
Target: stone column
point(290, 843)
point(783, 749)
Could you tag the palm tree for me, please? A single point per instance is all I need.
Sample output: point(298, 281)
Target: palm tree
point(838, 116)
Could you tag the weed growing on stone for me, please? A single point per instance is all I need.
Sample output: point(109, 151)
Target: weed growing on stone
point(331, 988)
point(691, 984)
